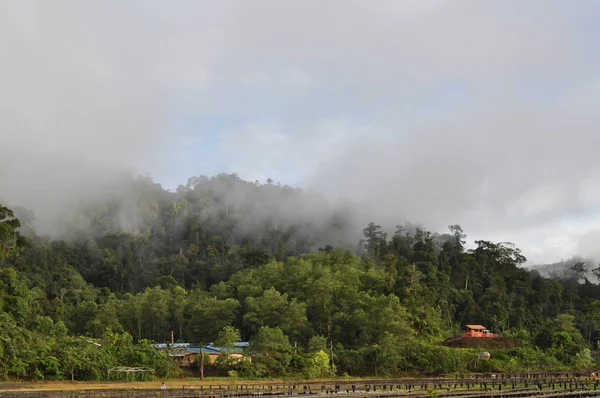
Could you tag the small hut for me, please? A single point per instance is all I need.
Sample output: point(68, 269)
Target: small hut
point(476, 331)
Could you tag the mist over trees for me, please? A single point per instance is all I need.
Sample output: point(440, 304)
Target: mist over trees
point(298, 277)
point(574, 268)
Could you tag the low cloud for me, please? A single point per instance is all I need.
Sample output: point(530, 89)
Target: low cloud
point(441, 112)
point(82, 103)
point(478, 114)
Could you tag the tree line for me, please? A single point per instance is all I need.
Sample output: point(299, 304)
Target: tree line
point(223, 259)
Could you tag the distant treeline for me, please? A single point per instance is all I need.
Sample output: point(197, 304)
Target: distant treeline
point(223, 259)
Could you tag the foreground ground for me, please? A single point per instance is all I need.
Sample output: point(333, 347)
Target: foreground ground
point(83, 385)
point(499, 382)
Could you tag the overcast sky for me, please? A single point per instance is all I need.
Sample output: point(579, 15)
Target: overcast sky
point(481, 113)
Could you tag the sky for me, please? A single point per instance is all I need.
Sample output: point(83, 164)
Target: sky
point(478, 113)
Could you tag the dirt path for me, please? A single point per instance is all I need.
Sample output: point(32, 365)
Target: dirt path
point(84, 385)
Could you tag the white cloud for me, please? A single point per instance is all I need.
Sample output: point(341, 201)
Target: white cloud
point(254, 79)
point(293, 78)
point(285, 152)
point(477, 113)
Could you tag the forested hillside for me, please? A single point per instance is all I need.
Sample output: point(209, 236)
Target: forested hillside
point(291, 274)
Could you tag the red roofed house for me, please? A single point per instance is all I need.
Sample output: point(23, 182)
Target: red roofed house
point(477, 331)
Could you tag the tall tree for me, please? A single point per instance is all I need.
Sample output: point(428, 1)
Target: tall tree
point(11, 241)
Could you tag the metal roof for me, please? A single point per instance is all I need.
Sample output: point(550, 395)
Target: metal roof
point(476, 327)
point(211, 349)
point(179, 349)
point(175, 345)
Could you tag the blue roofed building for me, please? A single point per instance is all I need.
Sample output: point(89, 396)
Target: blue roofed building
point(185, 355)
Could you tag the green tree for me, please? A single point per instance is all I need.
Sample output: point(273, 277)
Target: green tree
point(275, 310)
point(318, 366)
point(11, 241)
point(207, 316)
point(16, 297)
point(227, 337)
point(272, 350)
point(317, 343)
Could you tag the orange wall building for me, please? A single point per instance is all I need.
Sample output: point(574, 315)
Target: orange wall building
point(476, 331)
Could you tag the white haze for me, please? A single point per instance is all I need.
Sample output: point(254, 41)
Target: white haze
point(439, 112)
point(75, 111)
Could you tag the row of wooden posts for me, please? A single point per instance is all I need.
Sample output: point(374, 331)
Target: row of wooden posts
point(518, 385)
point(189, 393)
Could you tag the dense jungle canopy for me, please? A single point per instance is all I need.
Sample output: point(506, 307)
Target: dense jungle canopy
point(222, 259)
